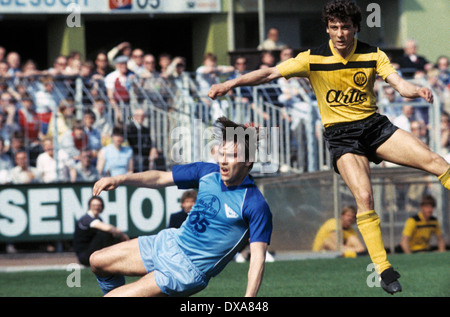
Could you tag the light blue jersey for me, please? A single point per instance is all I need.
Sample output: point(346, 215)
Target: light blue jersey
point(223, 218)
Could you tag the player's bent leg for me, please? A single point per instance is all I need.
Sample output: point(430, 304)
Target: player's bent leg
point(405, 149)
point(144, 287)
point(111, 264)
point(122, 258)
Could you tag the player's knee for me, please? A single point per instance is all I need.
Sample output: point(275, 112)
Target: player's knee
point(364, 198)
point(95, 262)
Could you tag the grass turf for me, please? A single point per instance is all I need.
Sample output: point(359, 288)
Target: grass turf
point(424, 275)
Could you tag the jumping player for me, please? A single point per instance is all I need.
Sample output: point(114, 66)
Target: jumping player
point(342, 73)
point(229, 212)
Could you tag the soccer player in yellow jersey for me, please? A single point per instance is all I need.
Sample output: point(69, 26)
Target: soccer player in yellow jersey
point(420, 227)
point(342, 73)
point(326, 237)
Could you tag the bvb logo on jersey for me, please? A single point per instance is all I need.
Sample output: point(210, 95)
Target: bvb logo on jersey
point(360, 78)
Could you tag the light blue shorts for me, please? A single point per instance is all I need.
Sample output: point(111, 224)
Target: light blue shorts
point(175, 274)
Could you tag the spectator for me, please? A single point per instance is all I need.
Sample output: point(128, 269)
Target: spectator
point(101, 67)
point(29, 121)
point(59, 66)
point(86, 70)
point(164, 61)
point(389, 101)
point(187, 202)
point(286, 53)
point(29, 68)
point(139, 138)
point(16, 145)
point(272, 41)
point(136, 62)
point(207, 75)
point(445, 133)
point(103, 120)
point(94, 135)
point(419, 130)
point(2, 53)
point(326, 238)
point(115, 159)
point(240, 68)
point(92, 234)
point(46, 102)
point(4, 70)
point(7, 127)
point(444, 72)
point(6, 164)
point(23, 173)
point(46, 164)
point(403, 121)
point(73, 67)
point(13, 60)
point(267, 59)
point(65, 117)
point(411, 62)
point(8, 107)
point(75, 140)
point(420, 227)
point(123, 49)
point(117, 84)
point(180, 79)
point(149, 67)
point(85, 169)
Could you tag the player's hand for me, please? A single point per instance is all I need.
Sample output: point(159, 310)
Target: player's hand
point(105, 183)
point(426, 94)
point(218, 90)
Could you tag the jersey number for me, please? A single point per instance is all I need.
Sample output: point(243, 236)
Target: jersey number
point(198, 221)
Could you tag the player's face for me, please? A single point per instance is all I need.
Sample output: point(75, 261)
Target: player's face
point(233, 168)
point(427, 211)
point(187, 204)
point(348, 219)
point(342, 34)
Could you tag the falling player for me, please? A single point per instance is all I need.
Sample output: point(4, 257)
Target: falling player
point(342, 73)
point(229, 212)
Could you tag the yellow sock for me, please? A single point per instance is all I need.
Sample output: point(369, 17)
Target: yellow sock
point(445, 179)
point(369, 226)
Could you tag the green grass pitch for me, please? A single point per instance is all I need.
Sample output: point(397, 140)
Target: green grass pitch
point(424, 275)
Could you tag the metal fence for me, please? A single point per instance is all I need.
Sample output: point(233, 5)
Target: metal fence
point(177, 104)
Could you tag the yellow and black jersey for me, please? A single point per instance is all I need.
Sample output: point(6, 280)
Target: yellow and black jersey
point(326, 230)
point(343, 86)
point(420, 230)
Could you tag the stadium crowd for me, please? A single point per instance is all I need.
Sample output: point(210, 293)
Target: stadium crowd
point(98, 139)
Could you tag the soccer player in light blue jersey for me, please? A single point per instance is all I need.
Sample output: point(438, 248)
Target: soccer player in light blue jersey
point(229, 212)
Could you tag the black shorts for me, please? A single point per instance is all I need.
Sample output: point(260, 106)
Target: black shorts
point(360, 137)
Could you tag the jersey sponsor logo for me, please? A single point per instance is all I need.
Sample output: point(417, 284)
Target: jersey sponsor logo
point(360, 78)
point(230, 213)
point(345, 98)
point(206, 207)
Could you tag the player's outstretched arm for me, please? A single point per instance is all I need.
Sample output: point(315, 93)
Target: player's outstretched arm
point(149, 179)
point(256, 77)
point(409, 90)
point(256, 267)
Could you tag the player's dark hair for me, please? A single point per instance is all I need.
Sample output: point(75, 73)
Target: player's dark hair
point(188, 194)
point(342, 10)
point(251, 136)
point(428, 200)
point(98, 199)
